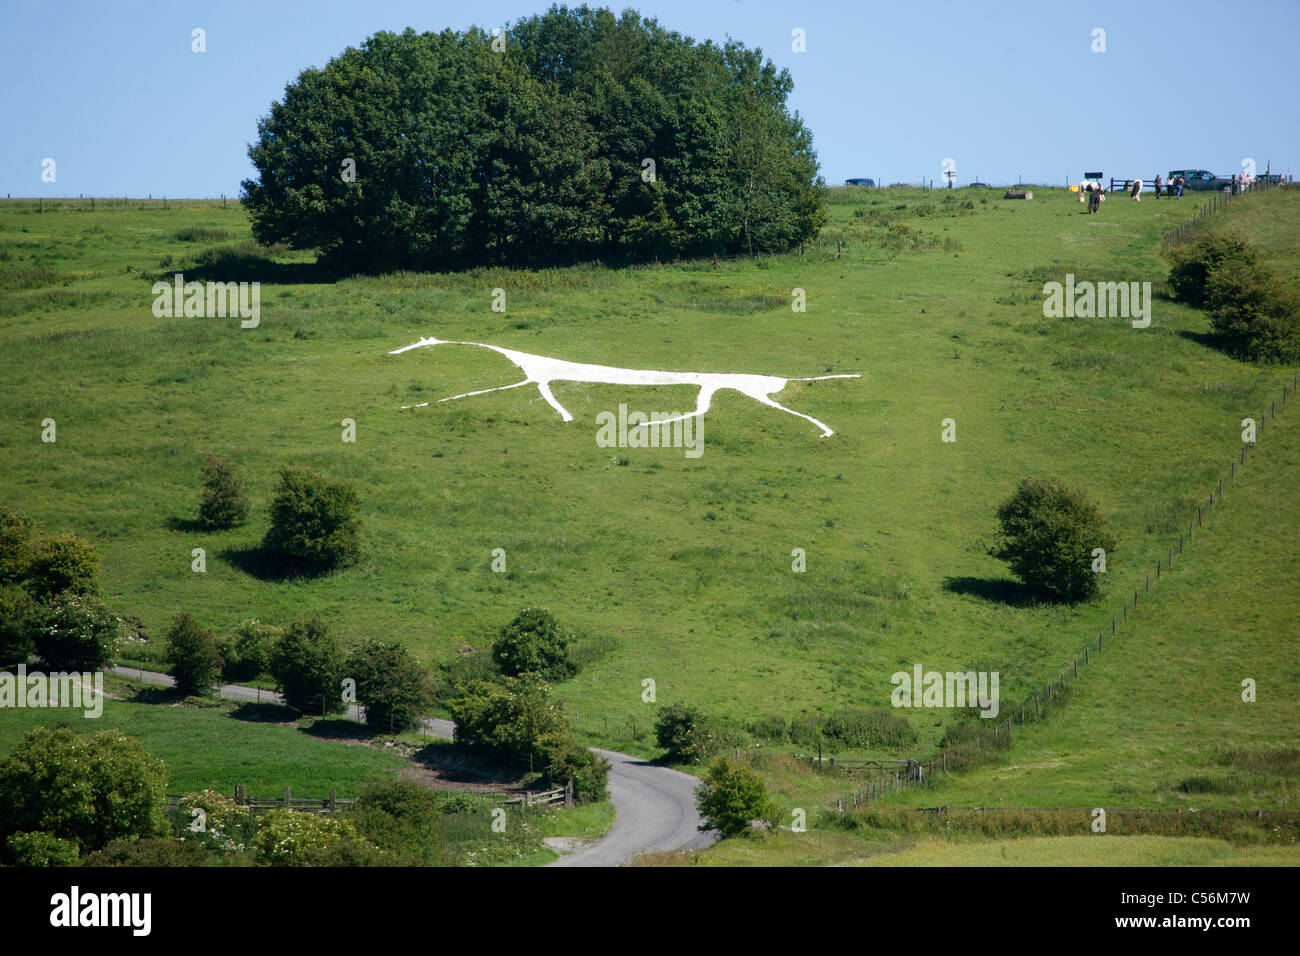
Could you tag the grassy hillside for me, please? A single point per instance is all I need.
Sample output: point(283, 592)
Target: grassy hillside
point(673, 568)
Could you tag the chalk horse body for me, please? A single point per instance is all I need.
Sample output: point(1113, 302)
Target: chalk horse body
point(540, 370)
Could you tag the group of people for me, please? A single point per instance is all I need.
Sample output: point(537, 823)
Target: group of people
point(1173, 186)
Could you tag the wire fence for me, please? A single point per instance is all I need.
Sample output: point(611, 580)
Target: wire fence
point(1039, 704)
point(1215, 202)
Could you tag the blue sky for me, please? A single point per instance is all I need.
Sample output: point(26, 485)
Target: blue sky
point(112, 92)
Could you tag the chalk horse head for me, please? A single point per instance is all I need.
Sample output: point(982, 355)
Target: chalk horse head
point(541, 370)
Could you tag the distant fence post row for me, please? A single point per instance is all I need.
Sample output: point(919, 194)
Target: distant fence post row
point(1214, 203)
point(1038, 705)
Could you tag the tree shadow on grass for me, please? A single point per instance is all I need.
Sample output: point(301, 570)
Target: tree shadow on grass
point(158, 695)
point(265, 713)
point(1211, 340)
point(187, 525)
point(338, 728)
point(463, 766)
point(269, 566)
point(995, 590)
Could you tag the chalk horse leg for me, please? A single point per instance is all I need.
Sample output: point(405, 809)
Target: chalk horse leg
point(702, 403)
point(545, 389)
point(826, 431)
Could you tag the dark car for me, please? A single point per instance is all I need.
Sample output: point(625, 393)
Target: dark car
point(859, 182)
point(1201, 180)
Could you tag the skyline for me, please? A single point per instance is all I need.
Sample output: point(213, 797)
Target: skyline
point(124, 106)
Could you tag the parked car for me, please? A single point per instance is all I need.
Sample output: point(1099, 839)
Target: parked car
point(978, 185)
point(859, 182)
point(1201, 180)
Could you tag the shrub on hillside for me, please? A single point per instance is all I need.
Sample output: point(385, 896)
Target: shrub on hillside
point(1257, 316)
point(313, 520)
point(394, 686)
point(307, 664)
point(88, 790)
point(1254, 312)
point(1193, 263)
point(294, 837)
point(565, 759)
point(247, 650)
point(401, 818)
point(534, 643)
point(19, 619)
point(730, 797)
point(224, 500)
point(194, 656)
point(688, 735)
point(63, 562)
point(40, 849)
point(77, 632)
point(1047, 534)
point(18, 536)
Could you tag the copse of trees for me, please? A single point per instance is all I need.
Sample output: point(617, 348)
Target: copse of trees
point(576, 135)
point(516, 720)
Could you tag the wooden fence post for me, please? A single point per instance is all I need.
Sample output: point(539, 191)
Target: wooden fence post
point(240, 798)
point(286, 798)
point(334, 798)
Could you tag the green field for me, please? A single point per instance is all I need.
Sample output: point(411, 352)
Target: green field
point(679, 569)
point(206, 748)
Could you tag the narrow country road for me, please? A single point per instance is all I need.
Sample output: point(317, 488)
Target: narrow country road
point(654, 807)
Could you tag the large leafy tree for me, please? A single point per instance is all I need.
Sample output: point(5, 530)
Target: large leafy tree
point(465, 154)
point(1048, 532)
point(308, 664)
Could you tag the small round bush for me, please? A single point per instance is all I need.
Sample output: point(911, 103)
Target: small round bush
point(224, 500)
point(687, 734)
point(730, 797)
point(88, 790)
point(314, 521)
point(393, 685)
point(534, 643)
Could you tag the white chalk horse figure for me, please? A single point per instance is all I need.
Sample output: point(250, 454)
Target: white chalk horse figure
point(540, 370)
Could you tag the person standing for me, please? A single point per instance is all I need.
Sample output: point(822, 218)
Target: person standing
point(1159, 180)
